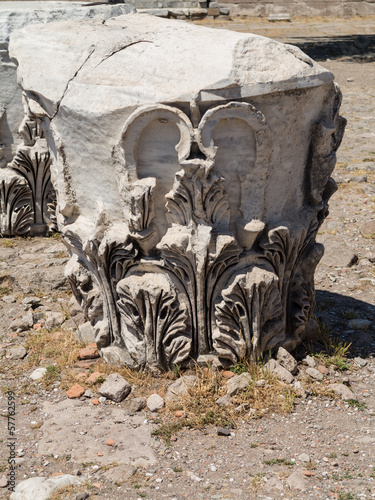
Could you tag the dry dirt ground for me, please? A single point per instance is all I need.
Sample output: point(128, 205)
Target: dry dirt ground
point(324, 448)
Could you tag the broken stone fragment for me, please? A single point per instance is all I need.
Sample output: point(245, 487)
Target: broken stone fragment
point(76, 391)
point(276, 369)
point(224, 400)
point(286, 360)
point(54, 319)
point(238, 383)
point(89, 352)
point(135, 404)
point(85, 333)
point(41, 488)
point(155, 402)
point(22, 324)
point(115, 388)
point(315, 374)
point(343, 392)
point(222, 431)
point(31, 302)
point(180, 387)
point(360, 361)
point(304, 457)
point(17, 352)
point(310, 361)
point(38, 373)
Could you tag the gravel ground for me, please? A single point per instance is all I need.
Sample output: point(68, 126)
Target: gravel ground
point(323, 449)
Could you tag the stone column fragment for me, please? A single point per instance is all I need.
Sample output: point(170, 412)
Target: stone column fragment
point(27, 198)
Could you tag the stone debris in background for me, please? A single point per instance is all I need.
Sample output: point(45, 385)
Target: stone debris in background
point(38, 373)
point(238, 383)
point(180, 387)
point(286, 360)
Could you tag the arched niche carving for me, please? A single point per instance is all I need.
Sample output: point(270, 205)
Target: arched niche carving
point(245, 175)
point(154, 141)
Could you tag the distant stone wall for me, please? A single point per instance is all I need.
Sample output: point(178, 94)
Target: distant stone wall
point(166, 4)
point(278, 9)
point(265, 8)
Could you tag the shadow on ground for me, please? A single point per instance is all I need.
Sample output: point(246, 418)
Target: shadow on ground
point(337, 310)
point(320, 48)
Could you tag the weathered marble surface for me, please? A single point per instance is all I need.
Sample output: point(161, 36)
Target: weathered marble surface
point(190, 183)
point(26, 195)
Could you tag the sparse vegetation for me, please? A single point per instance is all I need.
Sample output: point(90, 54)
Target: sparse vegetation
point(52, 375)
point(335, 351)
point(200, 408)
point(279, 461)
point(356, 404)
point(7, 242)
point(5, 285)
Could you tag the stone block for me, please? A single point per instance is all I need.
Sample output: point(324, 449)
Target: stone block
point(85, 333)
point(279, 17)
point(213, 12)
point(38, 373)
point(315, 374)
point(343, 391)
point(190, 189)
point(42, 487)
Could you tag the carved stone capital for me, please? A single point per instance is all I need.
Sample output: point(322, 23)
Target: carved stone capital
point(190, 189)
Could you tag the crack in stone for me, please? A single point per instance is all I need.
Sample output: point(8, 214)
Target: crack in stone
point(85, 61)
point(122, 48)
point(70, 80)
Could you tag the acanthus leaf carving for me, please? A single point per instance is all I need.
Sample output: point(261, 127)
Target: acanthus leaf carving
point(32, 163)
point(198, 196)
point(156, 330)
point(16, 211)
point(106, 255)
point(249, 318)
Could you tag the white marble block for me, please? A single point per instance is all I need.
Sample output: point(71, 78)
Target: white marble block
point(27, 198)
point(192, 172)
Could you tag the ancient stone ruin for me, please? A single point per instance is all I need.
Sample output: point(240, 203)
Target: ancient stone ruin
point(192, 171)
point(27, 197)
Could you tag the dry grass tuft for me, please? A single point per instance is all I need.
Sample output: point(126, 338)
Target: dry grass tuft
point(335, 351)
point(70, 491)
point(199, 405)
point(5, 285)
point(58, 351)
